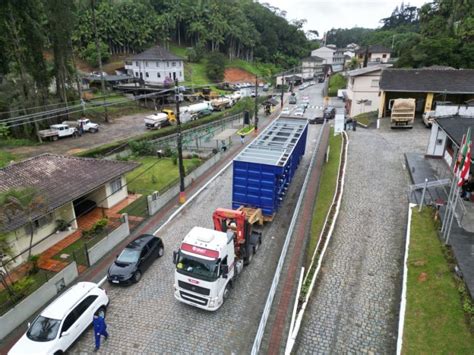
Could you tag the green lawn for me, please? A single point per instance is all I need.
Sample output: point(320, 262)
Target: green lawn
point(153, 175)
point(5, 158)
point(366, 118)
point(435, 322)
point(327, 188)
point(336, 82)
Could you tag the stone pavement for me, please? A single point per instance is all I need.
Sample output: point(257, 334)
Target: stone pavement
point(354, 307)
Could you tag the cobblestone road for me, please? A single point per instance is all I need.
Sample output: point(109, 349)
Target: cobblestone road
point(145, 318)
point(354, 307)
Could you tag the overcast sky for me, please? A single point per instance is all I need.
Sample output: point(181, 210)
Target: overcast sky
point(322, 15)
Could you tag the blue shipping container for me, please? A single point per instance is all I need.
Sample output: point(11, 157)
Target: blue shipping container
point(263, 171)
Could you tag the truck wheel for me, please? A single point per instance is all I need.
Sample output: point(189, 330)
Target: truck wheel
point(55, 138)
point(249, 257)
point(226, 293)
point(256, 246)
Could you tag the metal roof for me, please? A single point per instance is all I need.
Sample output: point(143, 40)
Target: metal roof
point(275, 144)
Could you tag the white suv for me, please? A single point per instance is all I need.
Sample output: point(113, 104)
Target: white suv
point(55, 329)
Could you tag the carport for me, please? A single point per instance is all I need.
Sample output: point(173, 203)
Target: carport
point(427, 85)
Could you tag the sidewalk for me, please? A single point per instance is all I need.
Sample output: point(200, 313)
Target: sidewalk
point(97, 272)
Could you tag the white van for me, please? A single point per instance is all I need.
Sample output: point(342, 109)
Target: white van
point(56, 328)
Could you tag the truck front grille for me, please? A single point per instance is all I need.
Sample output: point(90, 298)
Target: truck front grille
point(194, 288)
point(189, 297)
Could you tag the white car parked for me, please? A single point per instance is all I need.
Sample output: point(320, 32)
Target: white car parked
point(286, 111)
point(56, 328)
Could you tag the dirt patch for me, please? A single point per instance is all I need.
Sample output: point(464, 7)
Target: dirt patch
point(237, 75)
point(422, 277)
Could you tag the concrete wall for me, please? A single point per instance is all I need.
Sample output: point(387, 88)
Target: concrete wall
point(109, 242)
point(156, 202)
point(31, 304)
point(437, 142)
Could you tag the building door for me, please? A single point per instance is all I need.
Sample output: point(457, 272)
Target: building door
point(174, 75)
point(141, 76)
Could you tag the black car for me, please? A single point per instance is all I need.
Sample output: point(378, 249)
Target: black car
point(329, 112)
point(137, 256)
point(317, 119)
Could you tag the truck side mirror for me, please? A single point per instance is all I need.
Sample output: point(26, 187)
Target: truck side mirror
point(175, 257)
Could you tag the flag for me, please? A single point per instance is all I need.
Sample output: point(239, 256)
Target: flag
point(459, 160)
point(465, 166)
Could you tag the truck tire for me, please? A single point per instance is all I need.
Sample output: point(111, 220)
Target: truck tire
point(54, 138)
point(226, 293)
point(249, 255)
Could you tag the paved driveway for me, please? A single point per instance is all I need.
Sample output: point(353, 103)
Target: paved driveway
point(354, 307)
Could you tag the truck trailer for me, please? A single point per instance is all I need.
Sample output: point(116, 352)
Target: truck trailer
point(208, 260)
point(403, 113)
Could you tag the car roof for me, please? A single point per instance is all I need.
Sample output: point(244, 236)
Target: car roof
point(59, 308)
point(140, 241)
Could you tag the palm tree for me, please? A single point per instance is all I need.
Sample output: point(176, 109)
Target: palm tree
point(24, 202)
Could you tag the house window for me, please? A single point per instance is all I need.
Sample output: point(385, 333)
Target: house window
point(146, 74)
point(136, 63)
point(116, 185)
point(174, 64)
point(40, 222)
point(180, 75)
point(158, 75)
point(374, 83)
point(136, 74)
point(384, 56)
point(168, 64)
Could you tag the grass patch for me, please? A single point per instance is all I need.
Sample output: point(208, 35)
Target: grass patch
point(336, 82)
point(17, 142)
point(153, 175)
point(245, 130)
point(366, 118)
point(5, 158)
point(327, 188)
point(435, 321)
point(79, 248)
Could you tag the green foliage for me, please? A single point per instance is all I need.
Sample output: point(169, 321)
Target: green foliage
point(99, 226)
point(4, 132)
point(61, 225)
point(89, 54)
point(5, 158)
point(336, 82)
point(142, 148)
point(33, 260)
point(341, 37)
point(215, 66)
point(22, 286)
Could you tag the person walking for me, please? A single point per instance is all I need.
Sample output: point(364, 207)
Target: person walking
point(242, 138)
point(100, 328)
point(354, 124)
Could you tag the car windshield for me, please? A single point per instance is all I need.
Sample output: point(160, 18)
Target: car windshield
point(128, 256)
point(43, 329)
point(197, 267)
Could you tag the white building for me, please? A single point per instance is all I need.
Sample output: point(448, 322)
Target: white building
point(376, 54)
point(156, 66)
point(331, 55)
point(363, 89)
point(312, 67)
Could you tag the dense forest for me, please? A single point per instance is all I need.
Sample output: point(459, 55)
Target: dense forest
point(42, 39)
point(438, 33)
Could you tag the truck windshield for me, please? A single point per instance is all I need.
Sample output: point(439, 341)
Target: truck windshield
point(197, 267)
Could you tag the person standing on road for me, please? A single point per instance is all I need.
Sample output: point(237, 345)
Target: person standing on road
point(100, 328)
point(81, 128)
point(354, 124)
point(242, 138)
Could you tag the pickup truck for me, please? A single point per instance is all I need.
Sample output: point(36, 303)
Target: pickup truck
point(87, 125)
point(56, 131)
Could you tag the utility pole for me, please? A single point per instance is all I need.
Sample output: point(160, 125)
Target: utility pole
point(256, 104)
point(282, 92)
point(97, 46)
point(182, 196)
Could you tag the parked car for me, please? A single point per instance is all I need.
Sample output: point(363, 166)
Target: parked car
point(292, 100)
point(56, 328)
point(137, 256)
point(321, 79)
point(286, 111)
point(329, 112)
point(318, 118)
point(299, 112)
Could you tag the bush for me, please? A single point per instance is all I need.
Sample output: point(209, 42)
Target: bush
point(336, 82)
point(141, 148)
point(61, 225)
point(99, 226)
point(21, 286)
point(195, 54)
point(174, 158)
point(34, 264)
point(215, 66)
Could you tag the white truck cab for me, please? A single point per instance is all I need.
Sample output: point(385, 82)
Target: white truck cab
point(205, 266)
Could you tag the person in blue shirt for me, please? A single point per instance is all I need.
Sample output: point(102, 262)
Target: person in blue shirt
point(100, 328)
